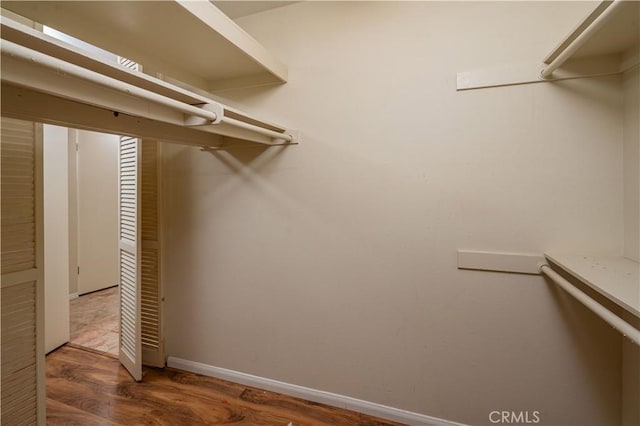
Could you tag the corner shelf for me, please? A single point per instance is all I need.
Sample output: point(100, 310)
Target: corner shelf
point(605, 42)
point(616, 278)
point(191, 41)
point(619, 34)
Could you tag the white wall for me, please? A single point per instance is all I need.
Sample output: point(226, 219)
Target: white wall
point(332, 264)
point(97, 211)
point(56, 236)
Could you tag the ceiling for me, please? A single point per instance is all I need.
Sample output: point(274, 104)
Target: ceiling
point(238, 8)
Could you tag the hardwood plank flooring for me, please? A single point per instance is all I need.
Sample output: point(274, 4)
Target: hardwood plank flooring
point(88, 388)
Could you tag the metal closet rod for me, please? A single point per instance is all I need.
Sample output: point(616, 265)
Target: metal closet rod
point(612, 319)
point(63, 67)
point(581, 39)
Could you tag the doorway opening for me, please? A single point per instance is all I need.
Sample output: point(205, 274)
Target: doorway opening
point(94, 315)
point(81, 233)
point(102, 245)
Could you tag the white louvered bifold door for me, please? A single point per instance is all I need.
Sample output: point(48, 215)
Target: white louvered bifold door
point(130, 255)
point(152, 341)
point(22, 292)
point(149, 226)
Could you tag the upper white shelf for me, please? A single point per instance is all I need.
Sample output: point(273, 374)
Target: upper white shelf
point(616, 278)
point(608, 38)
point(49, 80)
point(619, 33)
point(192, 41)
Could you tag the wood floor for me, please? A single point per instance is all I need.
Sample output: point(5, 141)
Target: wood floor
point(85, 387)
point(95, 320)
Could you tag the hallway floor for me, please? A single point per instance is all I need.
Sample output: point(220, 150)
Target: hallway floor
point(95, 321)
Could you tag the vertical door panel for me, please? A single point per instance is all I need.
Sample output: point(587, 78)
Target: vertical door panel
point(56, 238)
point(151, 314)
point(150, 246)
point(129, 256)
point(21, 290)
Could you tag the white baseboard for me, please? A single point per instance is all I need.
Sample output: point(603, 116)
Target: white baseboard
point(73, 296)
point(314, 395)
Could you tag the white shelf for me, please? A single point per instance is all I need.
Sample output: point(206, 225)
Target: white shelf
point(606, 42)
point(616, 278)
point(48, 80)
point(618, 35)
point(191, 41)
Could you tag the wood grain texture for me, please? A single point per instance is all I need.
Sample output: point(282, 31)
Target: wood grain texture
point(17, 165)
point(18, 353)
point(85, 387)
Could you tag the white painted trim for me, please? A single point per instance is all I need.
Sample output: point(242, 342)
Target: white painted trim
point(518, 263)
point(73, 295)
point(309, 394)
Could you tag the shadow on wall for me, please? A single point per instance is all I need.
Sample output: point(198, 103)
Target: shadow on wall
point(255, 157)
point(598, 91)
